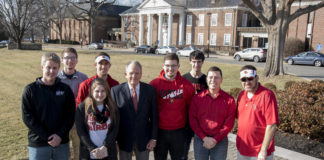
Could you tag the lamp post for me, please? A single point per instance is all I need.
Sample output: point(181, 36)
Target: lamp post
point(208, 35)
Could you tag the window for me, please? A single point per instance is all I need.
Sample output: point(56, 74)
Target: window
point(133, 22)
point(227, 39)
point(200, 39)
point(214, 19)
point(188, 38)
point(262, 42)
point(133, 37)
point(244, 20)
point(125, 22)
point(201, 19)
point(125, 36)
point(213, 39)
point(165, 20)
point(189, 20)
point(228, 19)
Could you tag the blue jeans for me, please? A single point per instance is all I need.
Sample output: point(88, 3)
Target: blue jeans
point(219, 152)
point(61, 152)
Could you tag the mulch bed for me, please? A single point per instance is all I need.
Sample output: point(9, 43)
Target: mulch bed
point(300, 144)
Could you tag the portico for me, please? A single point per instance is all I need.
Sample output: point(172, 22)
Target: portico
point(168, 19)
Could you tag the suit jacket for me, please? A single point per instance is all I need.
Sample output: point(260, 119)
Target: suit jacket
point(140, 126)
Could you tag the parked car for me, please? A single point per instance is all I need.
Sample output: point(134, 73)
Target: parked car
point(310, 58)
point(187, 50)
point(144, 49)
point(166, 50)
point(95, 45)
point(4, 43)
point(255, 54)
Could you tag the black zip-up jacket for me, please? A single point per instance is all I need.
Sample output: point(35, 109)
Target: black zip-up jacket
point(47, 110)
point(86, 145)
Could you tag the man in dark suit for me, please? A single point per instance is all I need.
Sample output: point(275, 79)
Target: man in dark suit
point(137, 106)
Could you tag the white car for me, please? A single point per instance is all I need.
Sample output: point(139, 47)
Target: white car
point(166, 50)
point(95, 46)
point(187, 50)
point(255, 54)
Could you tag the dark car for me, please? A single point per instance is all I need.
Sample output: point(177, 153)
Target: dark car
point(310, 58)
point(144, 49)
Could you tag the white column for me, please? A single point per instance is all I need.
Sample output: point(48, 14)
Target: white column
point(181, 28)
point(160, 29)
point(170, 20)
point(140, 37)
point(149, 27)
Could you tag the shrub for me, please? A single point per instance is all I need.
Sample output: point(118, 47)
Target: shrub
point(235, 92)
point(301, 109)
point(317, 81)
point(57, 41)
point(293, 46)
point(270, 86)
point(288, 84)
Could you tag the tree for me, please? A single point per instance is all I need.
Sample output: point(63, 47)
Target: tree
point(89, 13)
point(16, 17)
point(275, 16)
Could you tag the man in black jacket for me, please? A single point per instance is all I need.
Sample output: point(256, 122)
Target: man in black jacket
point(48, 108)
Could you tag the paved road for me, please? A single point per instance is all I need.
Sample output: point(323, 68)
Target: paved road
point(308, 72)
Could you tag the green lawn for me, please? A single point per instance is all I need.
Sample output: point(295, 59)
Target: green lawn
point(19, 68)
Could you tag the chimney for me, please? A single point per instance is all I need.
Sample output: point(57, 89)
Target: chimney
point(212, 1)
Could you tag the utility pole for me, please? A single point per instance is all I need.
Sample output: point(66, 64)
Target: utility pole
point(208, 40)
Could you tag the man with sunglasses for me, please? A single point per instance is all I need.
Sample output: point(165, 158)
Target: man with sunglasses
point(257, 115)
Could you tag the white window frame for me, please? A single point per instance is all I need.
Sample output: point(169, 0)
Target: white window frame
point(133, 21)
point(201, 20)
point(200, 39)
point(133, 37)
point(125, 21)
point(214, 18)
point(125, 36)
point(213, 38)
point(244, 20)
point(189, 20)
point(227, 39)
point(228, 19)
point(188, 38)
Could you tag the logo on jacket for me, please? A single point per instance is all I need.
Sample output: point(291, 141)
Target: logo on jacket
point(59, 93)
point(171, 94)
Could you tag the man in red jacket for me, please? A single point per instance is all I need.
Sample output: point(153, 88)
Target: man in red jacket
point(174, 95)
point(212, 115)
point(102, 64)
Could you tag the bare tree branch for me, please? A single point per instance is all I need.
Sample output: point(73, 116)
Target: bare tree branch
point(302, 11)
point(255, 11)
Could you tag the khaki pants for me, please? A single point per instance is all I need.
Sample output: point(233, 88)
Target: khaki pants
point(75, 143)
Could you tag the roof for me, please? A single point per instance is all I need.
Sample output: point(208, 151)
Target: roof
point(194, 4)
point(106, 9)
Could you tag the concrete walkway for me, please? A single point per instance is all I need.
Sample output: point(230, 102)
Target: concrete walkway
point(280, 153)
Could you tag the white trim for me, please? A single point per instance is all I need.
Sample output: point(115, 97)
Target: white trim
point(229, 40)
point(188, 40)
point(211, 41)
point(187, 20)
point(211, 19)
point(244, 19)
point(201, 20)
point(263, 35)
point(218, 8)
point(200, 40)
point(296, 4)
point(230, 21)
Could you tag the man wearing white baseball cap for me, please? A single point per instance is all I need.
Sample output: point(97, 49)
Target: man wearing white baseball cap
point(102, 64)
point(257, 115)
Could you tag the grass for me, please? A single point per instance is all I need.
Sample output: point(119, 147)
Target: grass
point(19, 68)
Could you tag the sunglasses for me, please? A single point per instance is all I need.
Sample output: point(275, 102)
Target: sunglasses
point(244, 79)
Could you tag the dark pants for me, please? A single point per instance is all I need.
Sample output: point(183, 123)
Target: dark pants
point(172, 141)
point(188, 137)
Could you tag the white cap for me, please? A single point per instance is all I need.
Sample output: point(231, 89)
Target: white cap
point(102, 57)
point(248, 73)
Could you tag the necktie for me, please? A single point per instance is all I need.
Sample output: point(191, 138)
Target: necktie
point(134, 98)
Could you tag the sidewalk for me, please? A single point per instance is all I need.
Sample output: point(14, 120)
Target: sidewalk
point(279, 154)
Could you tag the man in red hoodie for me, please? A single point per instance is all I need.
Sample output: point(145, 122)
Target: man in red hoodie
point(174, 95)
point(102, 64)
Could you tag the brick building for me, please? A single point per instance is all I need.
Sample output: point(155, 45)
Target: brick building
point(108, 18)
point(224, 24)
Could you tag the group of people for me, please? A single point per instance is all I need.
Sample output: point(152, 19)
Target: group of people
point(106, 120)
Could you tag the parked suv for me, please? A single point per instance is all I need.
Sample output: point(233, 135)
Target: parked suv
point(166, 50)
point(255, 54)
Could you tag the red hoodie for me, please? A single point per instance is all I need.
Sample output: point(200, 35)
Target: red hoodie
point(174, 98)
point(84, 87)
